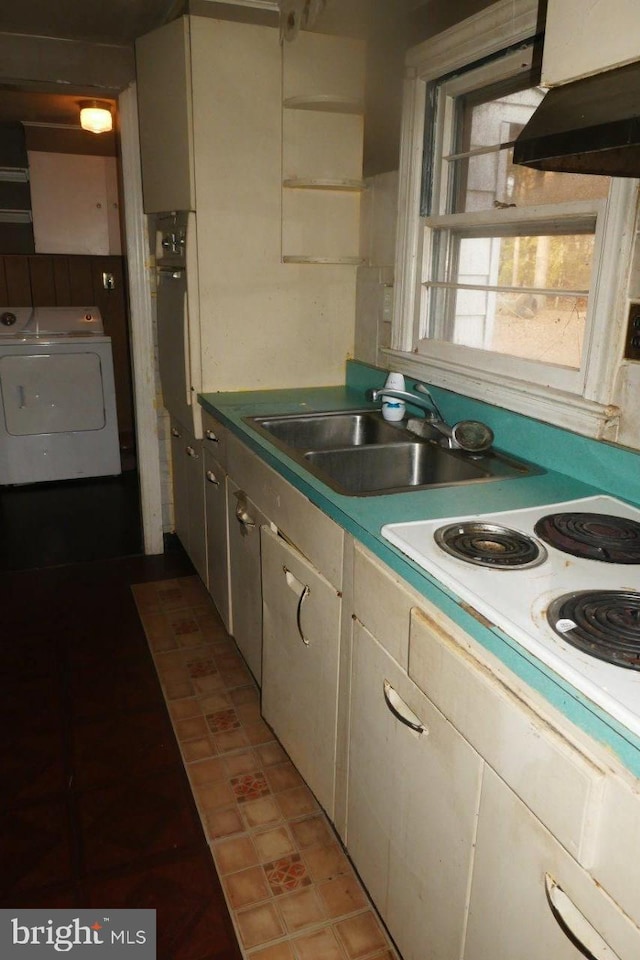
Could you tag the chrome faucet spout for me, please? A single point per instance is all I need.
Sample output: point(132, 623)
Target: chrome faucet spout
point(426, 403)
point(469, 435)
point(377, 394)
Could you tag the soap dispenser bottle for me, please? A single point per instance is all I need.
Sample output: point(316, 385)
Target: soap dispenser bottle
point(392, 407)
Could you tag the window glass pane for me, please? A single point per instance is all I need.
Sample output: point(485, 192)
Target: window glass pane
point(490, 179)
point(544, 328)
point(525, 296)
point(559, 262)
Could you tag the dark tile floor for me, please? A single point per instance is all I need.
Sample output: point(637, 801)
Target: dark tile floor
point(97, 808)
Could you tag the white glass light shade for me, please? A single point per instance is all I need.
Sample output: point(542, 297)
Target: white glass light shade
point(95, 117)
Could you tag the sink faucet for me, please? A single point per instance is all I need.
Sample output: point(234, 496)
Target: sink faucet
point(428, 405)
point(469, 435)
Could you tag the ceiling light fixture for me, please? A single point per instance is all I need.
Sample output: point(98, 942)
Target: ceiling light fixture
point(95, 116)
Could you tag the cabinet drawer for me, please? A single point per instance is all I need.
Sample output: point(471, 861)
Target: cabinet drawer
point(518, 866)
point(616, 863)
point(557, 782)
point(214, 438)
point(314, 534)
point(382, 603)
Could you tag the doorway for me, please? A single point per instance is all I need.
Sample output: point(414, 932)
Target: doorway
point(77, 257)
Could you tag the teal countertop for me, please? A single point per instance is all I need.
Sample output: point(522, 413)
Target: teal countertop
point(363, 517)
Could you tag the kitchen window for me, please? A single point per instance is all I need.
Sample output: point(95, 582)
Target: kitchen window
point(509, 279)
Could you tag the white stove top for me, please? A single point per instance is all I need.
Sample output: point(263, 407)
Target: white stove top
point(516, 600)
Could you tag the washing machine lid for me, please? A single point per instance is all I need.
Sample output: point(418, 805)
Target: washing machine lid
point(22, 323)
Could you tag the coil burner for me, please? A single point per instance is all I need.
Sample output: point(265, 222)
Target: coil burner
point(490, 545)
point(595, 536)
point(602, 623)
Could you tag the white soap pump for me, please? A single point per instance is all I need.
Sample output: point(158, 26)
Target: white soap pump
point(392, 407)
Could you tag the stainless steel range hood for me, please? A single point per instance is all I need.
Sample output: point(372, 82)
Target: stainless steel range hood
point(587, 126)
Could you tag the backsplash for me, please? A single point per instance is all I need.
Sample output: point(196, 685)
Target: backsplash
point(608, 467)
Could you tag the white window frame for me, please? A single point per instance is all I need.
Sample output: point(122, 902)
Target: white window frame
point(582, 402)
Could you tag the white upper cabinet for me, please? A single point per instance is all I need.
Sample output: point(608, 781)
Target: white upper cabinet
point(583, 37)
point(163, 69)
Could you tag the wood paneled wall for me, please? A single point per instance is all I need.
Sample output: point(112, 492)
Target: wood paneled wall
point(51, 280)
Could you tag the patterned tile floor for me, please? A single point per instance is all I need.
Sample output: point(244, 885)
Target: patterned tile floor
point(290, 888)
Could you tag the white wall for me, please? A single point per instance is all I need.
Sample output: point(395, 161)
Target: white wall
point(374, 290)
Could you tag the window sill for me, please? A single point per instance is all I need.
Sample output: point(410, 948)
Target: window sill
point(571, 412)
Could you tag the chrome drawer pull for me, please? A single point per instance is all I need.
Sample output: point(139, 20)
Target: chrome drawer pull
point(244, 518)
point(303, 596)
point(295, 585)
point(575, 925)
point(400, 710)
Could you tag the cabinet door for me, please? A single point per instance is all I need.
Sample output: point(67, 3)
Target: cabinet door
point(188, 496)
point(414, 788)
point(301, 638)
point(217, 541)
point(195, 495)
point(179, 478)
point(585, 36)
point(163, 78)
point(526, 888)
point(244, 522)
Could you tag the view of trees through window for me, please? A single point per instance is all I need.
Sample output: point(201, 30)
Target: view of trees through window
point(515, 286)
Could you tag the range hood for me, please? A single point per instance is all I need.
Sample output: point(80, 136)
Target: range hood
point(587, 126)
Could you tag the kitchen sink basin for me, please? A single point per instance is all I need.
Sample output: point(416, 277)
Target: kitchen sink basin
point(324, 431)
point(357, 453)
point(394, 466)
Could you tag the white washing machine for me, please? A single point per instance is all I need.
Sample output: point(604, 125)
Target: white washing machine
point(58, 417)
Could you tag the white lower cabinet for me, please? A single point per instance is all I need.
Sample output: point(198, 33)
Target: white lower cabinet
point(301, 640)
point(188, 495)
point(530, 900)
point(480, 820)
point(215, 496)
point(244, 522)
point(616, 863)
point(413, 796)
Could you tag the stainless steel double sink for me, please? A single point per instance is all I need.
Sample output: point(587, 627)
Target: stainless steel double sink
point(357, 453)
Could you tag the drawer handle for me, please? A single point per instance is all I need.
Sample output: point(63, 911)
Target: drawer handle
point(295, 585)
point(575, 925)
point(400, 710)
point(242, 514)
point(210, 435)
point(211, 477)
